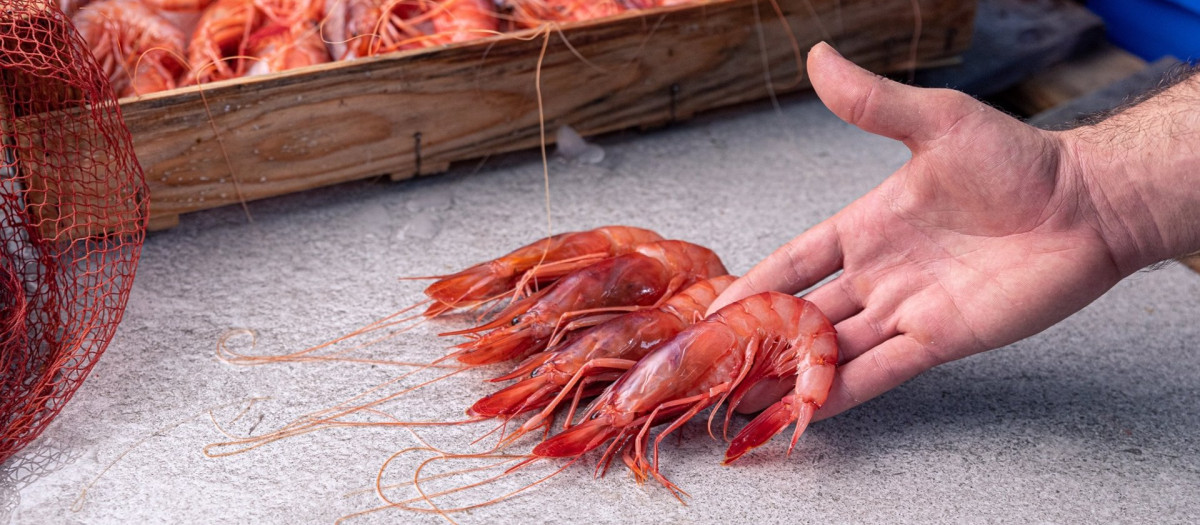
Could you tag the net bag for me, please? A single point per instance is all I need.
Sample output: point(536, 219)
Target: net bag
point(72, 216)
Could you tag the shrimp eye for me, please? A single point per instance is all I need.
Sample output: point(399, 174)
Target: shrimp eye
point(594, 415)
point(536, 372)
point(516, 320)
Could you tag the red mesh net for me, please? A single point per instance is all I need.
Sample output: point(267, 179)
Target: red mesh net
point(72, 216)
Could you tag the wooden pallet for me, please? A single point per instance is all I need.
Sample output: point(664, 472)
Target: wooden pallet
point(414, 113)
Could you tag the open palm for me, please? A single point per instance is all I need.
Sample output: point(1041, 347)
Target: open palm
point(984, 237)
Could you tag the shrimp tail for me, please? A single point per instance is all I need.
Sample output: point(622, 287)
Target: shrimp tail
point(520, 397)
point(769, 423)
point(578, 440)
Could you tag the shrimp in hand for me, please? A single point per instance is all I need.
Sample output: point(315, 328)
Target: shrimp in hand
point(811, 374)
point(597, 357)
point(728, 353)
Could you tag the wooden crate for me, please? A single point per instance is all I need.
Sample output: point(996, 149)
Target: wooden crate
point(414, 113)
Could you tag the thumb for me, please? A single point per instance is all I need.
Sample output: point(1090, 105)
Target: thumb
point(877, 105)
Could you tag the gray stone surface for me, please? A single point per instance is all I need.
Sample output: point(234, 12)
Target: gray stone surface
point(1094, 420)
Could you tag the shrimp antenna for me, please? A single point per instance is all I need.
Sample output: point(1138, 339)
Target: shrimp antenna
point(428, 498)
point(332, 417)
point(381, 489)
point(397, 318)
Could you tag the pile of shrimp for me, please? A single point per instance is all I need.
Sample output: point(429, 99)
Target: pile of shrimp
point(153, 45)
point(616, 315)
point(645, 359)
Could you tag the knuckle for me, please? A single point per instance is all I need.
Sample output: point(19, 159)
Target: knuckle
point(851, 290)
point(796, 270)
point(886, 367)
point(862, 107)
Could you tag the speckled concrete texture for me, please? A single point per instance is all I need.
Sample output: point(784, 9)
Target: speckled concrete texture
point(1095, 420)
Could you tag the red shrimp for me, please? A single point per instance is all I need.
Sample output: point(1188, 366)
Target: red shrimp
point(183, 13)
point(70, 7)
point(651, 4)
point(813, 375)
point(649, 275)
point(356, 34)
point(290, 37)
point(463, 20)
point(217, 50)
point(289, 13)
point(552, 257)
point(280, 47)
point(234, 38)
point(726, 354)
point(178, 6)
point(333, 27)
point(138, 50)
point(375, 27)
point(598, 356)
point(534, 13)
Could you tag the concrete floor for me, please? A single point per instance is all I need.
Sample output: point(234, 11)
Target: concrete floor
point(1094, 420)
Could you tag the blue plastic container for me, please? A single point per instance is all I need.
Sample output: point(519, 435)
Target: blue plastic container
point(1153, 28)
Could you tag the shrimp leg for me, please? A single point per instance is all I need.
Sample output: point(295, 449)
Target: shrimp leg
point(701, 403)
point(754, 341)
point(582, 391)
point(584, 371)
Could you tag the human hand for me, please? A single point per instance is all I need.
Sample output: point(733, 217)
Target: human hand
point(986, 236)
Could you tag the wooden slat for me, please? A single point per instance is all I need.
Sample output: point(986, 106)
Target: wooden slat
point(74, 188)
point(338, 122)
point(1072, 79)
point(1107, 98)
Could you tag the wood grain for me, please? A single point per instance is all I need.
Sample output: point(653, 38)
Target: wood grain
point(254, 138)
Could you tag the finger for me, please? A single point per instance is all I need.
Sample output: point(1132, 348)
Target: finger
point(881, 106)
point(836, 299)
point(878, 370)
point(861, 333)
point(797, 265)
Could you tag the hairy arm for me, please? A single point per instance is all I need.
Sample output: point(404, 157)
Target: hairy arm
point(1142, 170)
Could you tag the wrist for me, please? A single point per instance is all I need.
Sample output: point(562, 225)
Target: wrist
point(1139, 171)
point(1118, 211)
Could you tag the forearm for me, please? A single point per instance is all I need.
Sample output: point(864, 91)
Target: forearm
point(1140, 169)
